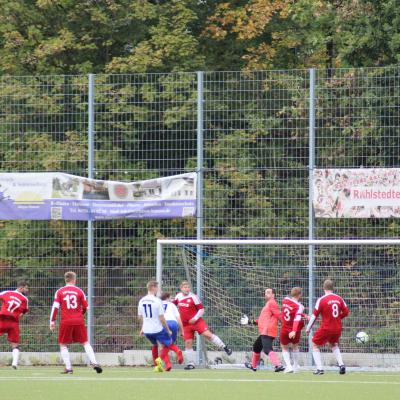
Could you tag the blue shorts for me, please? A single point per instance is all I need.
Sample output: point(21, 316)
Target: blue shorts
point(160, 337)
point(173, 325)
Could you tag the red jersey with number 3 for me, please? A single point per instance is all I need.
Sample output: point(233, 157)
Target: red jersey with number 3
point(14, 304)
point(292, 311)
point(332, 309)
point(72, 304)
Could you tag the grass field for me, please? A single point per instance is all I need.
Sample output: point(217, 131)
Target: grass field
point(40, 383)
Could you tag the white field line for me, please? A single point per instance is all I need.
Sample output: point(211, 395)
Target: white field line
point(146, 379)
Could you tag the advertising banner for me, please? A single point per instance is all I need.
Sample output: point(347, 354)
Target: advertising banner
point(45, 196)
point(357, 193)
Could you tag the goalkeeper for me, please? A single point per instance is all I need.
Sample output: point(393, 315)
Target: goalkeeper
point(268, 328)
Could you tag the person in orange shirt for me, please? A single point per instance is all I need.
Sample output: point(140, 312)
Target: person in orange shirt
point(268, 328)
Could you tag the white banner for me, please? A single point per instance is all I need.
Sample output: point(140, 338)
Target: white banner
point(357, 193)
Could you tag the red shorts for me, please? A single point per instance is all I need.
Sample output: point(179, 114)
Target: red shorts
point(189, 330)
point(11, 328)
point(322, 337)
point(68, 334)
point(285, 340)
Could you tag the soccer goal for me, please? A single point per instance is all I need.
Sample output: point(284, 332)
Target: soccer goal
point(230, 277)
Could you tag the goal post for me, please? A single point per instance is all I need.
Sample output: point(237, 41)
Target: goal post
point(234, 273)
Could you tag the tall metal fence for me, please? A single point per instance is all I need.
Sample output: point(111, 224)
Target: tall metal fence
point(254, 138)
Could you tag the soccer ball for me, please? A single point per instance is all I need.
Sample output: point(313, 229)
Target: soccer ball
point(362, 337)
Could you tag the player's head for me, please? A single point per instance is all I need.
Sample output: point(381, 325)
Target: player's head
point(296, 292)
point(328, 285)
point(185, 287)
point(152, 287)
point(22, 286)
point(70, 278)
point(269, 293)
point(165, 296)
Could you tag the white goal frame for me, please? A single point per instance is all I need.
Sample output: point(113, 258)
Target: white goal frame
point(311, 243)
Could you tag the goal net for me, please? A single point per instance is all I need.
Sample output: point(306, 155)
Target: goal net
point(230, 277)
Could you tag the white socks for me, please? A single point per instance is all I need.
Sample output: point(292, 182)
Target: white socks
point(15, 356)
point(295, 354)
point(286, 358)
point(65, 356)
point(90, 353)
point(190, 356)
point(338, 355)
point(218, 342)
point(317, 359)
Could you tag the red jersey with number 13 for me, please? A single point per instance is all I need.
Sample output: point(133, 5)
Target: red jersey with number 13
point(14, 304)
point(332, 309)
point(73, 304)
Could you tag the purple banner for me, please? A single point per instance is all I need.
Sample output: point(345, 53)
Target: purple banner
point(23, 197)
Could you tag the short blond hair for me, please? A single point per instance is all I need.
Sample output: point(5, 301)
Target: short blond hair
point(152, 285)
point(184, 283)
point(328, 284)
point(69, 276)
point(296, 291)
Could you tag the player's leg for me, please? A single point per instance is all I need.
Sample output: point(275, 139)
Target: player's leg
point(65, 338)
point(157, 361)
point(173, 326)
point(286, 358)
point(80, 336)
point(190, 355)
point(66, 359)
point(336, 352)
point(256, 355)
point(154, 353)
point(214, 339)
point(15, 354)
point(166, 341)
point(296, 354)
point(13, 339)
point(268, 350)
point(319, 339)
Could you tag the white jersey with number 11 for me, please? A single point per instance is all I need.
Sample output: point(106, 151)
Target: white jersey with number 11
point(150, 308)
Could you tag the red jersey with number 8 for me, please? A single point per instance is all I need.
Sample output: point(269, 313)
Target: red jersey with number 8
point(72, 304)
point(14, 304)
point(332, 309)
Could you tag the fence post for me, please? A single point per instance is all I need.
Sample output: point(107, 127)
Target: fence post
point(199, 201)
point(311, 219)
point(90, 227)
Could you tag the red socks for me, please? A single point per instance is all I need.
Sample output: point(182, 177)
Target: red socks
point(154, 353)
point(255, 359)
point(165, 358)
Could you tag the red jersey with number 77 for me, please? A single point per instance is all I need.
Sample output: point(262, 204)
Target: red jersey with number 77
point(72, 303)
point(14, 304)
point(332, 309)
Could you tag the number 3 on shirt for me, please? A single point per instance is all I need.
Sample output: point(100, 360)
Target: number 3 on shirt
point(71, 300)
point(335, 310)
point(286, 317)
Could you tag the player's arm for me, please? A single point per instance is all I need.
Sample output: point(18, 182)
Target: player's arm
point(26, 307)
point(140, 316)
point(178, 318)
point(345, 310)
point(200, 310)
point(314, 316)
point(275, 311)
point(85, 304)
point(54, 311)
point(164, 324)
point(296, 322)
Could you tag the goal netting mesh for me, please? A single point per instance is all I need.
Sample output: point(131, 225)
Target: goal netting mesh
point(233, 279)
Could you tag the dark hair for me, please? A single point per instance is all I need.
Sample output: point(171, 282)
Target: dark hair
point(22, 283)
point(165, 296)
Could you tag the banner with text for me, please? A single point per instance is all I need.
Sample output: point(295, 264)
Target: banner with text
point(45, 196)
point(357, 193)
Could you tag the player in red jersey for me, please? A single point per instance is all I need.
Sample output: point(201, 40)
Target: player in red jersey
point(73, 305)
point(14, 304)
point(332, 309)
point(191, 311)
point(292, 324)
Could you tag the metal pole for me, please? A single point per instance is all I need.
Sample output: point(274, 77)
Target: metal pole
point(159, 264)
point(90, 261)
point(311, 219)
point(199, 197)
